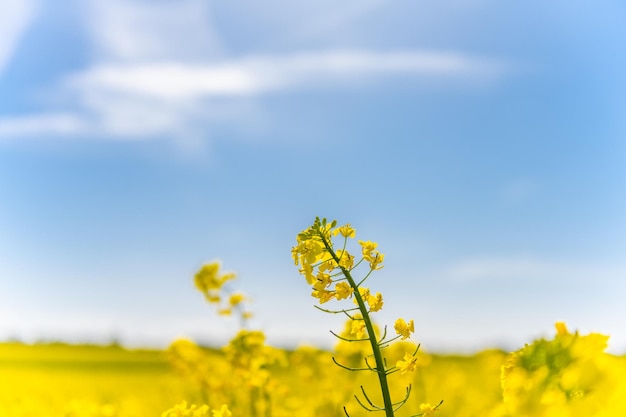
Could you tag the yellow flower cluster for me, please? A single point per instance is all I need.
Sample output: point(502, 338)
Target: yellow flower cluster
point(211, 283)
point(323, 266)
point(403, 328)
point(569, 375)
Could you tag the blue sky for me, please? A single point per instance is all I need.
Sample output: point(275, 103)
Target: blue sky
point(481, 144)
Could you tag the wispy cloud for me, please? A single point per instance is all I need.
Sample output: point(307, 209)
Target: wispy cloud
point(41, 124)
point(531, 270)
point(263, 74)
point(139, 31)
point(15, 17)
point(161, 98)
point(160, 69)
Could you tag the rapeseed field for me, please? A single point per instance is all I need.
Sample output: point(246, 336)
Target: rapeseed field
point(374, 368)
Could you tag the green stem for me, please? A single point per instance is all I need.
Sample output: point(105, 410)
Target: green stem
point(380, 365)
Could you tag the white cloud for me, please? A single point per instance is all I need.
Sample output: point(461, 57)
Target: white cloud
point(41, 124)
point(15, 17)
point(159, 69)
point(135, 30)
point(531, 270)
point(262, 74)
point(172, 98)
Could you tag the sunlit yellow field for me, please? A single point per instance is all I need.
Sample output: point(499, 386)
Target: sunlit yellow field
point(372, 368)
point(108, 381)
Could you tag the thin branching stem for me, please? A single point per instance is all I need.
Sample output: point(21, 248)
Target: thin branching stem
point(347, 367)
point(346, 339)
point(380, 366)
point(366, 407)
point(344, 311)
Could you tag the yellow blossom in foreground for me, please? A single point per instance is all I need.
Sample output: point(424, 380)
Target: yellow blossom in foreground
point(365, 294)
point(376, 259)
point(403, 328)
point(408, 364)
point(343, 290)
point(375, 301)
point(569, 375)
point(427, 410)
point(222, 412)
point(323, 295)
point(367, 247)
point(345, 230)
point(307, 252)
point(346, 260)
point(322, 281)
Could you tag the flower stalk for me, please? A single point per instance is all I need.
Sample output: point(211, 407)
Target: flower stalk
point(378, 358)
point(324, 266)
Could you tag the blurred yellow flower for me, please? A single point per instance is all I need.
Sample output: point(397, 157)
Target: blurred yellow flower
point(561, 328)
point(358, 329)
point(236, 299)
point(182, 410)
point(222, 412)
point(408, 364)
point(427, 410)
point(225, 312)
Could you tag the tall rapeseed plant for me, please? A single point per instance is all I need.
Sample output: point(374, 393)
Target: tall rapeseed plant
point(329, 270)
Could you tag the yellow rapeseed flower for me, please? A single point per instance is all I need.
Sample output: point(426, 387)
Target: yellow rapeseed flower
point(358, 329)
point(427, 410)
point(209, 280)
point(307, 252)
point(367, 247)
point(346, 260)
point(365, 294)
point(323, 295)
point(222, 412)
point(408, 364)
point(207, 277)
point(376, 259)
point(375, 301)
point(322, 281)
point(343, 290)
point(345, 230)
point(236, 299)
point(403, 328)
